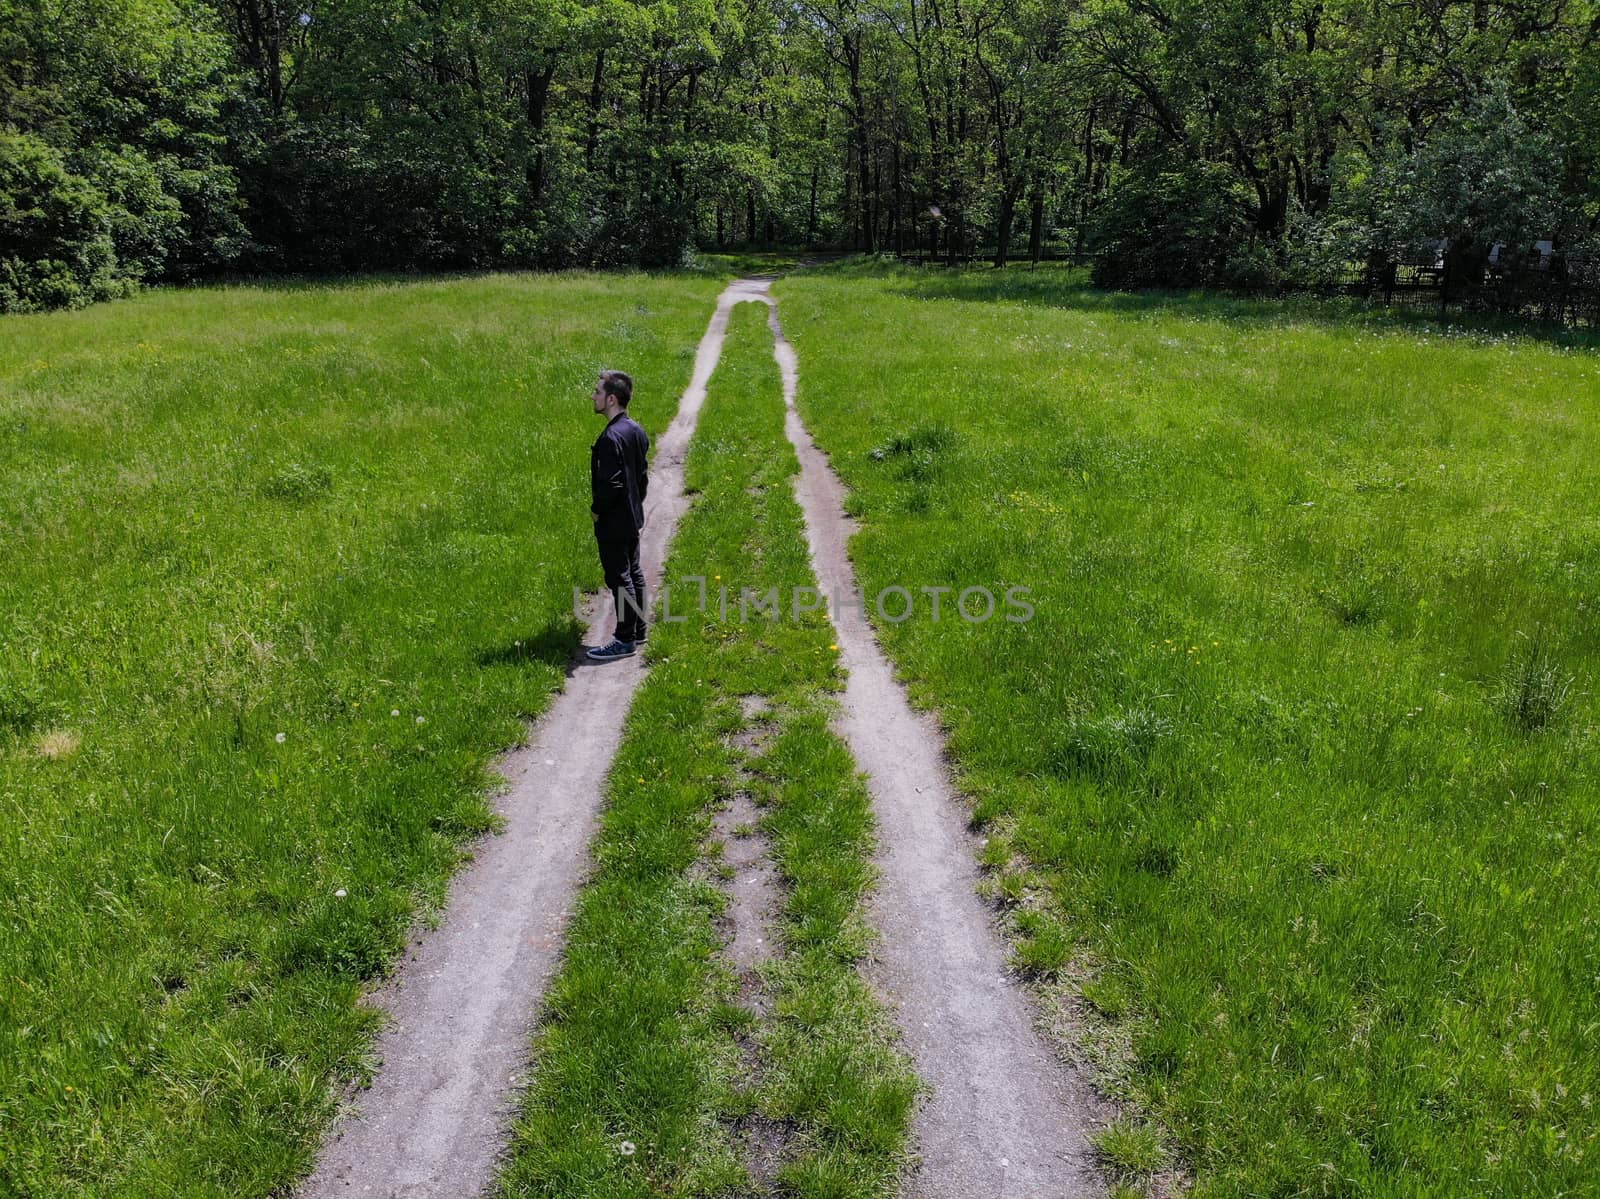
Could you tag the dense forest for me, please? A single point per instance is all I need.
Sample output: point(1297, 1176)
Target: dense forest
point(1243, 143)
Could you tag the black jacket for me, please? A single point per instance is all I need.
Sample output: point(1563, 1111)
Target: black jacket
point(619, 476)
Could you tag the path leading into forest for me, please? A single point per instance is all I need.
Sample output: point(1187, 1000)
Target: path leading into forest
point(1003, 1118)
point(464, 1000)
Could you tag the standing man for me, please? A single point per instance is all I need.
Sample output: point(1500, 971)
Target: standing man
point(618, 478)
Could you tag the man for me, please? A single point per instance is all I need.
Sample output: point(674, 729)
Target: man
point(618, 479)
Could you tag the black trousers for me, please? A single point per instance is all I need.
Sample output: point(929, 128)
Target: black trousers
point(619, 558)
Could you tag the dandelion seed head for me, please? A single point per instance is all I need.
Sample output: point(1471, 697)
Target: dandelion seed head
point(281, 738)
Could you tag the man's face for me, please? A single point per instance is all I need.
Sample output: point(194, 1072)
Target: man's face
point(599, 396)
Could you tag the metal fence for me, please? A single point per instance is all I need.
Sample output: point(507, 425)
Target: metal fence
point(1547, 289)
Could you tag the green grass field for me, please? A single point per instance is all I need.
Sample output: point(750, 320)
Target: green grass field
point(281, 568)
point(1292, 777)
point(1289, 785)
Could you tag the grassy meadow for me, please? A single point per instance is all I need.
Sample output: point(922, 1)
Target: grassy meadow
point(1290, 783)
point(660, 1071)
point(281, 568)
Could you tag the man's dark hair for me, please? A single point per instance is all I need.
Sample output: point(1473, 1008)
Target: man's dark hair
point(618, 384)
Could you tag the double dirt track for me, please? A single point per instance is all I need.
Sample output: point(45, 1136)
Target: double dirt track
point(1003, 1117)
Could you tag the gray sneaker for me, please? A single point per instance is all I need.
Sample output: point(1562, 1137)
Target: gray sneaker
point(611, 651)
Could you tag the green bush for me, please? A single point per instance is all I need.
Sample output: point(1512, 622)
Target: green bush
point(145, 220)
point(56, 246)
point(1183, 226)
point(1486, 174)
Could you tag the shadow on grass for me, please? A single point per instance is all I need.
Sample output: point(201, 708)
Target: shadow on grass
point(558, 644)
point(354, 280)
point(745, 262)
point(1054, 285)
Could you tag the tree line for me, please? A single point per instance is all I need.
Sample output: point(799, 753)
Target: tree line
point(1241, 143)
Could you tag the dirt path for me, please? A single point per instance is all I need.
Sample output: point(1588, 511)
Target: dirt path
point(464, 1000)
point(1005, 1119)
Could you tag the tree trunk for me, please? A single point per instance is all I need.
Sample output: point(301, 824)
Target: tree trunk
point(877, 194)
point(595, 94)
point(1008, 213)
point(538, 105)
point(849, 197)
point(858, 112)
point(865, 198)
point(260, 29)
point(1036, 229)
point(811, 212)
point(895, 202)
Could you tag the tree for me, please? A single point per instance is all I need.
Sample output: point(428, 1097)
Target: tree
point(1179, 142)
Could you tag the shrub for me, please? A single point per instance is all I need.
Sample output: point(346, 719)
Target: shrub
point(1184, 226)
point(144, 219)
point(56, 247)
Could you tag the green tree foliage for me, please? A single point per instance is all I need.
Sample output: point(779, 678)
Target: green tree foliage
point(1245, 143)
point(55, 231)
point(1485, 175)
point(1181, 227)
point(115, 147)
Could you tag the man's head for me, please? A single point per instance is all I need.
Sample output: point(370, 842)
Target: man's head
point(612, 392)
